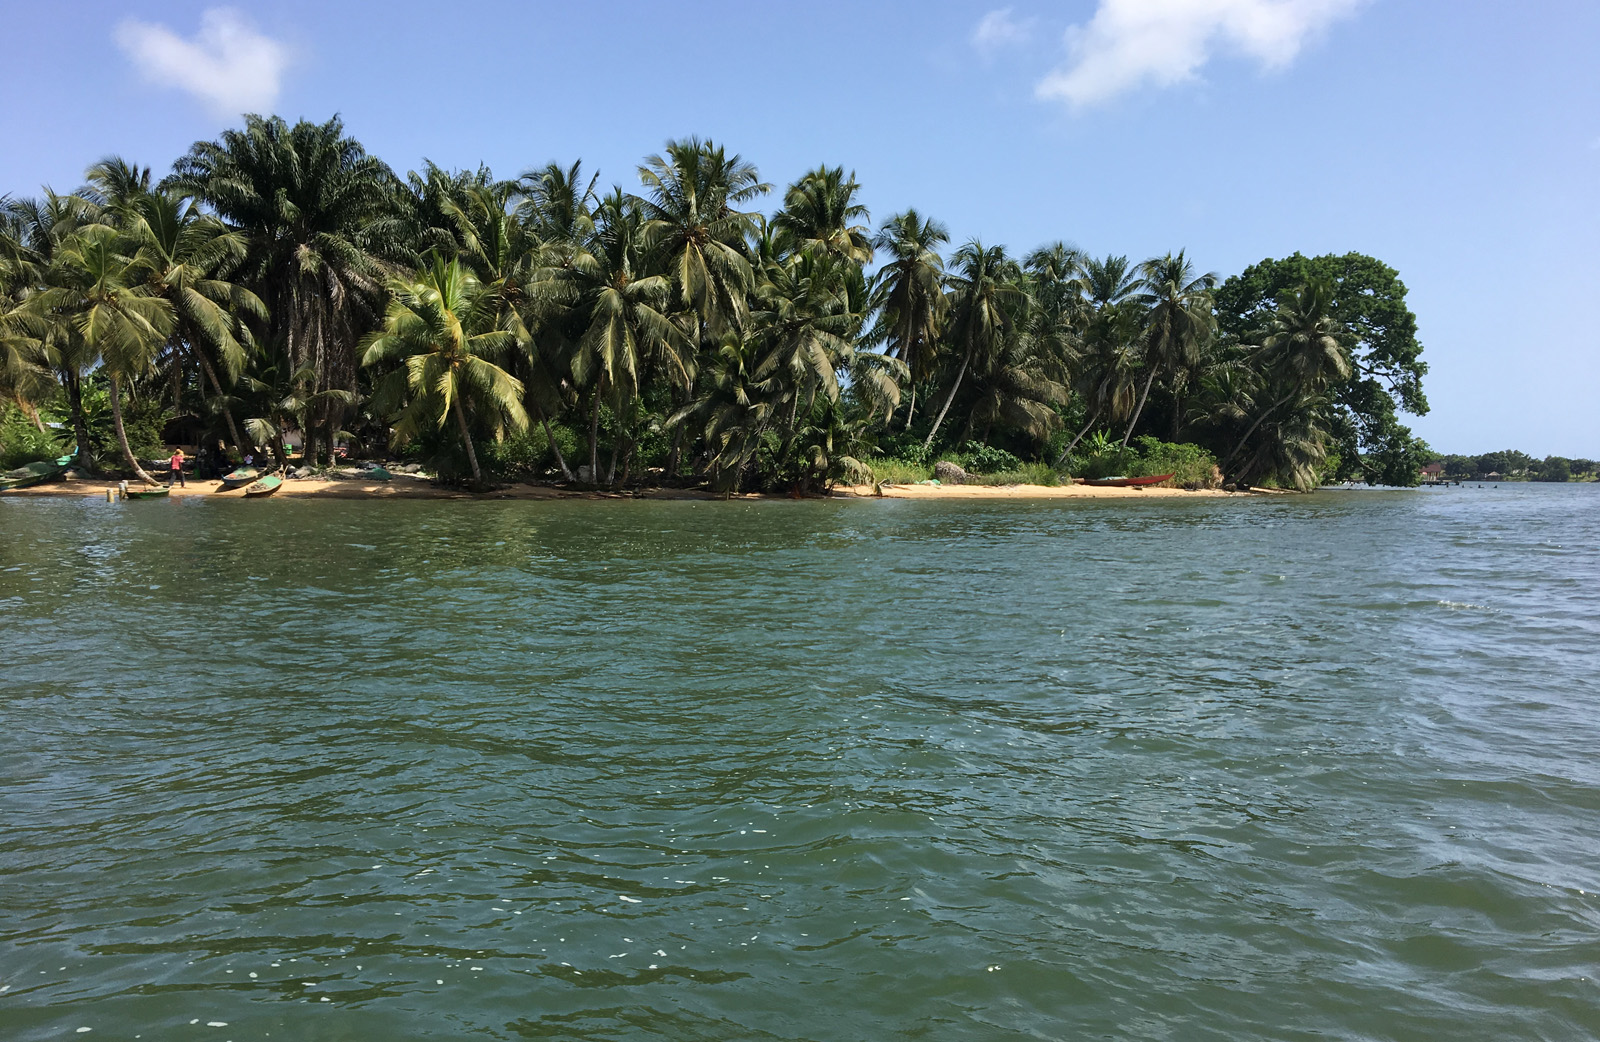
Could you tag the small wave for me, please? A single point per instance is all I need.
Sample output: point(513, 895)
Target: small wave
point(1462, 606)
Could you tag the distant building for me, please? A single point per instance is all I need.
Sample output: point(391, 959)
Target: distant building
point(1433, 472)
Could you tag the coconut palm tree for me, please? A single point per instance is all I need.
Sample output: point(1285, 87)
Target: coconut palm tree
point(186, 258)
point(818, 215)
point(623, 312)
point(987, 289)
point(101, 294)
point(1178, 321)
point(442, 327)
point(321, 217)
point(908, 294)
point(39, 227)
point(692, 224)
point(1302, 353)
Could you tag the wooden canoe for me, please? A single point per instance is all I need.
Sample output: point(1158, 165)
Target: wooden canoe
point(148, 492)
point(31, 474)
point(239, 478)
point(265, 487)
point(1120, 482)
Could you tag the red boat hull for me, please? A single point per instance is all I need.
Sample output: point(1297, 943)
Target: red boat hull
point(1127, 482)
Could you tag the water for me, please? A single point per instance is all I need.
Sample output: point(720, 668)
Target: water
point(1295, 768)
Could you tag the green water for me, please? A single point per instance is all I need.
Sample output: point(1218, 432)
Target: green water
point(1301, 768)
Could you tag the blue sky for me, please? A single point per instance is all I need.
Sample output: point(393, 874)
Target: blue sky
point(1457, 141)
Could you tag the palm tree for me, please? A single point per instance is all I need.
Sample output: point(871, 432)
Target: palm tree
point(185, 258)
point(624, 315)
point(908, 294)
point(1303, 351)
point(39, 227)
point(441, 327)
point(1178, 322)
point(700, 238)
point(100, 292)
point(986, 288)
point(320, 216)
point(817, 215)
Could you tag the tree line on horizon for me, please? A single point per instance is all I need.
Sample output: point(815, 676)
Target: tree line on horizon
point(281, 280)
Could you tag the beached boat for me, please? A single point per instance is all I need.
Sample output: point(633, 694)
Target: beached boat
point(265, 487)
point(31, 474)
point(239, 478)
point(148, 492)
point(1121, 482)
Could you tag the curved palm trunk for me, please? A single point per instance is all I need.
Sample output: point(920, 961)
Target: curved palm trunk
point(1074, 442)
point(466, 439)
point(960, 374)
point(1251, 430)
point(911, 411)
point(122, 435)
point(1127, 434)
point(561, 461)
point(227, 413)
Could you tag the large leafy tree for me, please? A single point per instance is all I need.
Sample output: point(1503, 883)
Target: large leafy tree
point(321, 218)
point(1369, 300)
point(442, 328)
point(1302, 355)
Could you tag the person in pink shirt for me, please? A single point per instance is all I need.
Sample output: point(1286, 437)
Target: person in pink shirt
point(177, 470)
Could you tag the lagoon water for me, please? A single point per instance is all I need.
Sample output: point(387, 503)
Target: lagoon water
point(1319, 767)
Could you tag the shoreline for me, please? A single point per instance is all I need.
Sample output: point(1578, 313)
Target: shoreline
point(410, 486)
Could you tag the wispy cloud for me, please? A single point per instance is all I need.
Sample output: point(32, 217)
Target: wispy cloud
point(999, 29)
point(1131, 43)
point(228, 64)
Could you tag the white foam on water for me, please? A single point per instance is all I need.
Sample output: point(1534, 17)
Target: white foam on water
point(631, 900)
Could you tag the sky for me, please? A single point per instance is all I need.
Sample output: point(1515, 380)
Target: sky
point(1456, 140)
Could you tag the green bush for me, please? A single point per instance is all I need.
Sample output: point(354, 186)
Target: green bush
point(21, 442)
point(1189, 464)
point(899, 471)
point(985, 459)
point(527, 454)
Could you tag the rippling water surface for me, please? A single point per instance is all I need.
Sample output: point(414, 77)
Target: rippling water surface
point(1303, 768)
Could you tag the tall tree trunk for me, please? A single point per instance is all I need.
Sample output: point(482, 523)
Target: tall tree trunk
point(561, 461)
point(1079, 437)
point(594, 437)
point(216, 385)
point(1177, 411)
point(611, 468)
point(1140, 408)
point(122, 435)
point(960, 374)
point(80, 425)
point(912, 409)
point(466, 439)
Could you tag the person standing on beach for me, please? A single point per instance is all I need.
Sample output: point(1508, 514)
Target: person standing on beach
point(177, 470)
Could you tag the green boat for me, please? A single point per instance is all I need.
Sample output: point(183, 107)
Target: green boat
point(265, 487)
point(148, 492)
point(32, 474)
point(239, 478)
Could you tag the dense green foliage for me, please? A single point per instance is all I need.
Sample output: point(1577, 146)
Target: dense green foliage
point(282, 287)
point(1511, 465)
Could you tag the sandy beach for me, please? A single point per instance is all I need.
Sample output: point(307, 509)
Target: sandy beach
point(411, 486)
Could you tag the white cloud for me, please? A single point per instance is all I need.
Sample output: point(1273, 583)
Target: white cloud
point(998, 29)
point(1130, 43)
point(228, 64)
